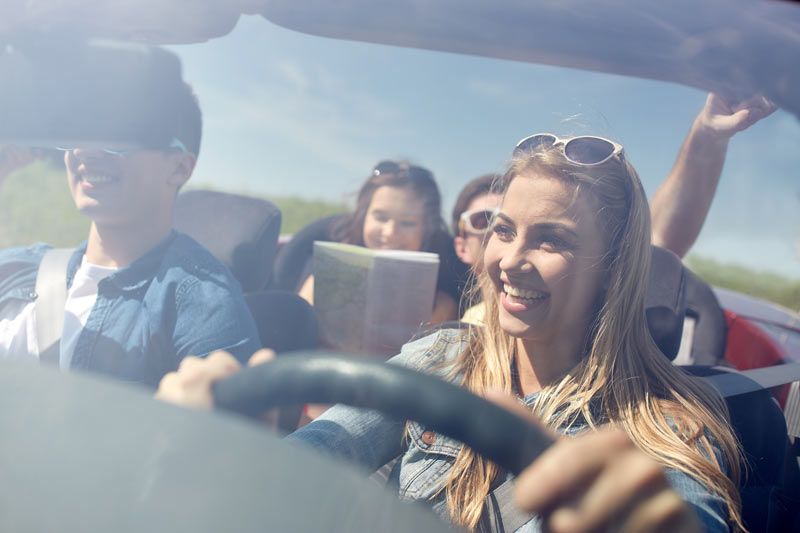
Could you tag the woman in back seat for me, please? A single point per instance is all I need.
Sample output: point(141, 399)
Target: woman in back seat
point(398, 208)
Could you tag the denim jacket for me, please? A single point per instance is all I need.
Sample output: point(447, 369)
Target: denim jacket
point(174, 301)
point(370, 439)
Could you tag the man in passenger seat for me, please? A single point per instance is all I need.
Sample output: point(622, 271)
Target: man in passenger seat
point(141, 296)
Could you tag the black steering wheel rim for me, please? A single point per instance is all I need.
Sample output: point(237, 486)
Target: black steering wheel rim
point(324, 377)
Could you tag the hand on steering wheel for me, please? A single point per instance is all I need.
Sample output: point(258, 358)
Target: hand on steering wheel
point(599, 480)
point(190, 385)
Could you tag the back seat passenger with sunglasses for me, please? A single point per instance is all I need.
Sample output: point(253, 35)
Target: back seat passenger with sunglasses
point(137, 296)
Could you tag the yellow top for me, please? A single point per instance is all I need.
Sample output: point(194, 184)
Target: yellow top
point(474, 315)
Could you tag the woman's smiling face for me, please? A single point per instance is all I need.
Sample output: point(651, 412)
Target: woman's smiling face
point(545, 259)
point(395, 220)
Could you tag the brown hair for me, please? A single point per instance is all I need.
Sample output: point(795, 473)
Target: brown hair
point(419, 180)
point(481, 185)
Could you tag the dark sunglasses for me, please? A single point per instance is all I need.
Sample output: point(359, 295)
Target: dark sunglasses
point(412, 171)
point(585, 150)
point(478, 221)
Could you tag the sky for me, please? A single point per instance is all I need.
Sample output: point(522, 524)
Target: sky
point(292, 114)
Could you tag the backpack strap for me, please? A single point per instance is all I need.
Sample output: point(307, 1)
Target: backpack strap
point(51, 297)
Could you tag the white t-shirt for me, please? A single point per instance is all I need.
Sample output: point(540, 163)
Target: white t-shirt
point(81, 297)
point(18, 334)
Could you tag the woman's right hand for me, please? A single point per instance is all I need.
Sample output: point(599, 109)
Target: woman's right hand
point(599, 481)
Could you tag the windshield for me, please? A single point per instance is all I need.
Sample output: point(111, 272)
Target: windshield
point(295, 128)
point(288, 115)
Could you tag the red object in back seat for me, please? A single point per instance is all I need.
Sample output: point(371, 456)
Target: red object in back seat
point(748, 347)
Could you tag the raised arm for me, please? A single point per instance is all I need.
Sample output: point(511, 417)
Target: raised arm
point(680, 205)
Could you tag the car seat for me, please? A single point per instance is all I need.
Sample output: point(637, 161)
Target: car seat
point(286, 323)
point(665, 300)
point(710, 327)
point(242, 232)
point(293, 262)
point(770, 486)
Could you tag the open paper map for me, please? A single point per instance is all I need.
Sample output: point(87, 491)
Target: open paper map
point(372, 301)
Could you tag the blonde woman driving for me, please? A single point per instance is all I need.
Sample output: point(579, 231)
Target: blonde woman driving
point(644, 447)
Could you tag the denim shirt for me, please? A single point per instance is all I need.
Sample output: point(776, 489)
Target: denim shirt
point(370, 439)
point(174, 301)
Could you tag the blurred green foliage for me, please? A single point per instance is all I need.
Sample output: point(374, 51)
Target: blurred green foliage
point(765, 285)
point(297, 212)
point(36, 206)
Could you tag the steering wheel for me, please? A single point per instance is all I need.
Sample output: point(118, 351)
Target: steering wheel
point(497, 434)
point(82, 453)
point(129, 463)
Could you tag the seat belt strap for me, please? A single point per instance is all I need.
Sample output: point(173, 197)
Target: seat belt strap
point(501, 514)
point(732, 382)
point(51, 297)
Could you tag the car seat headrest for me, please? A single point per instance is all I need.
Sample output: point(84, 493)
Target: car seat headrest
point(240, 231)
point(294, 259)
point(665, 300)
point(711, 329)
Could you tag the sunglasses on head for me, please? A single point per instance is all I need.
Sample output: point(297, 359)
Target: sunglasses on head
point(585, 150)
point(478, 221)
point(412, 171)
point(175, 144)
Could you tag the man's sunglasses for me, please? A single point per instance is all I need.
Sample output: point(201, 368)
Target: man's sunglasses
point(478, 221)
point(412, 171)
point(585, 150)
point(175, 144)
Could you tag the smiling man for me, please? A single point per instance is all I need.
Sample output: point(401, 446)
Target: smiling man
point(140, 296)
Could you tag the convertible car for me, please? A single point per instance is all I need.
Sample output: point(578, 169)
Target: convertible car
point(82, 454)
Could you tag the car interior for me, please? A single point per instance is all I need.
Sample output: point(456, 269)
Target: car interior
point(139, 474)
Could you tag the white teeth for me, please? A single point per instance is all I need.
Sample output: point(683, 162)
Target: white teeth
point(98, 179)
point(523, 293)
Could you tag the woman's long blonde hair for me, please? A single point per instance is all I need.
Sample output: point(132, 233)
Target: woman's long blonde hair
point(670, 416)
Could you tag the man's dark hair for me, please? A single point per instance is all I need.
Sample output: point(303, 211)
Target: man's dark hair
point(186, 119)
point(480, 185)
point(167, 108)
